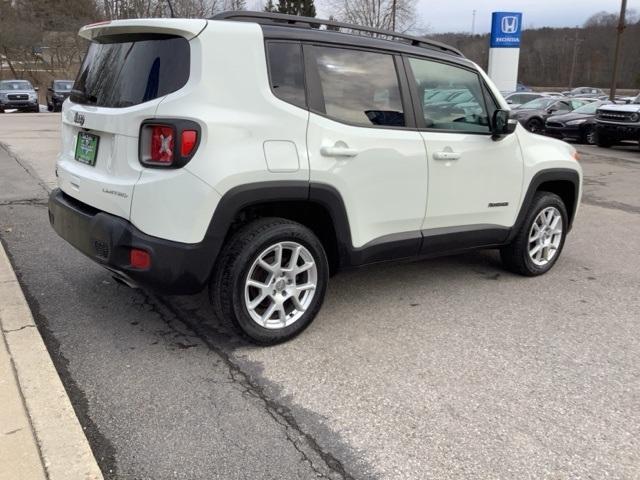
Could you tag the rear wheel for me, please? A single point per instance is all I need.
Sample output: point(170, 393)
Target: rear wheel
point(535, 125)
point(270, 280)
point(539, 242)
point(589, 135)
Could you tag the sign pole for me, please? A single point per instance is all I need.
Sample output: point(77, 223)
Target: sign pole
point(616, 55)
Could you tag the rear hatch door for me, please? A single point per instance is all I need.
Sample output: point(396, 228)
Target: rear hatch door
point(129, 68)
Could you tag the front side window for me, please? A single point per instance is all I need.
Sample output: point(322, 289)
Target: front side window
point(452, 97)
point(286, 72)
point(359, 87)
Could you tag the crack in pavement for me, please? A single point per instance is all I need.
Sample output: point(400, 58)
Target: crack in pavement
point(18, 329)
point(279, 413)
point(26, 201)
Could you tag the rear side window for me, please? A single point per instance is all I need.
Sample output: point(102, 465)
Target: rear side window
point(124, 70)
point(286, 72)
point(359, 87)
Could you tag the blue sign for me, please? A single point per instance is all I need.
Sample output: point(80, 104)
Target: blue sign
point(506, 28)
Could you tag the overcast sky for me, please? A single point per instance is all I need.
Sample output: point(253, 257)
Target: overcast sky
point(455, 15)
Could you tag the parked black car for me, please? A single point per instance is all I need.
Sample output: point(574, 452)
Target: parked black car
point(19, 95)
point(57, 93)
point(618, 123)
point(532, 115)
point(579, 125)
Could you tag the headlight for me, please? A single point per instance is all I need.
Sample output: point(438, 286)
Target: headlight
point(577, 122)
point(634, 117)
point(3, 96)
point(33, 96)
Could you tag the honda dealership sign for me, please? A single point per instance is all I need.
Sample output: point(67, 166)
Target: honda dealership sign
point(504, 53)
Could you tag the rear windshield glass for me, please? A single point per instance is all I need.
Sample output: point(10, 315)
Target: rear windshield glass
point(124, 70)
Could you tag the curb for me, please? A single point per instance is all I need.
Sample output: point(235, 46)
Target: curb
point(65, 451)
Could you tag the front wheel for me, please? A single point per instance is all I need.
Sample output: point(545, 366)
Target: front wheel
point(603, 140)
point(270, 280)
point(537, 245)
point(535, 125)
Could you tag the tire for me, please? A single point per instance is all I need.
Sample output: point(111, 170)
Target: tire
point(603, 141)
point(50, 107)
point(589, 136)
point(239, 262)
point(535, 125)
point(516, 256)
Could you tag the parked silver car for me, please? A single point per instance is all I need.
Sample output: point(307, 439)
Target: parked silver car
point(19, 95)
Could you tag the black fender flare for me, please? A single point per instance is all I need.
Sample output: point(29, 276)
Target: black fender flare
point(543, 176)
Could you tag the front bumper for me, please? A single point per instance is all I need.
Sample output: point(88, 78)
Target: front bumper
point(619, 132)
point(176, 268)
point(18, 104)
point(571, 131)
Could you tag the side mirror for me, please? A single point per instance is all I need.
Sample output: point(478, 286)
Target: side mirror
point(49, 89)
point(509, 101)
point(37, 89)
point(502, 124)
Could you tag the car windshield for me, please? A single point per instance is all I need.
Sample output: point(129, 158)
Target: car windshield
point(15, 85)
point(539, 103)
point(589, 108)
point(63, 85)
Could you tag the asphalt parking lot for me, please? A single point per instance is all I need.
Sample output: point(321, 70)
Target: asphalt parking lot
point(448, 368)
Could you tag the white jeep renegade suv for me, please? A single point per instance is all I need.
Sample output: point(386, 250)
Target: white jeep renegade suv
point(256, 153)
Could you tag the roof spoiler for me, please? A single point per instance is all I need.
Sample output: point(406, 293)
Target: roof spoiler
point(187, 28)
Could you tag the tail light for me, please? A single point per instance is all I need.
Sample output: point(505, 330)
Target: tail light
point(168, 143)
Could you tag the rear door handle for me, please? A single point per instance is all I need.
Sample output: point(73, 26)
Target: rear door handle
point(446, 155)
point(338, 152)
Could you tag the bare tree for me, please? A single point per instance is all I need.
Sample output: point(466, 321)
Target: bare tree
point(376, 13)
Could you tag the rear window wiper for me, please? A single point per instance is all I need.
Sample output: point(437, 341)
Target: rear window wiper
point(83, 97)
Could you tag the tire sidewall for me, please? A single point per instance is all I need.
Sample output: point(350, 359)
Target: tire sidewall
point(537, 122)
point(545, 201)
point(242, 265)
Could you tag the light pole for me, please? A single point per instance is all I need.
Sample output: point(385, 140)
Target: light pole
point(616, 55)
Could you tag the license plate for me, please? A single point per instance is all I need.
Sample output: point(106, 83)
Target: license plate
point(87, 148)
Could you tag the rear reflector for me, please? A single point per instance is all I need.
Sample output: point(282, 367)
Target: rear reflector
point(188, 141)
point(139, 258)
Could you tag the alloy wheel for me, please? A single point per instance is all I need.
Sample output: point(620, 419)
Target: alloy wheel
point(280, 285)
point(545, 236)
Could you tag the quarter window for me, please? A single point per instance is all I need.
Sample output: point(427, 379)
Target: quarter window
point(452, 97)
point(286, 72)
point(359, 87)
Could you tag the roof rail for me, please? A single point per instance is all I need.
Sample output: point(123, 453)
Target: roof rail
point(309, 22)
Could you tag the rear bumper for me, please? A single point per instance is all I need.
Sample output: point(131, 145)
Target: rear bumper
point(176, 268)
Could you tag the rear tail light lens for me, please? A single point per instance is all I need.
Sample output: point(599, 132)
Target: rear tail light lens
point(168, 143)
point(163, 142)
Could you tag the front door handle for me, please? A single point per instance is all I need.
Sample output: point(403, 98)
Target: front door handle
point(445, 155)
point(338, 151)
